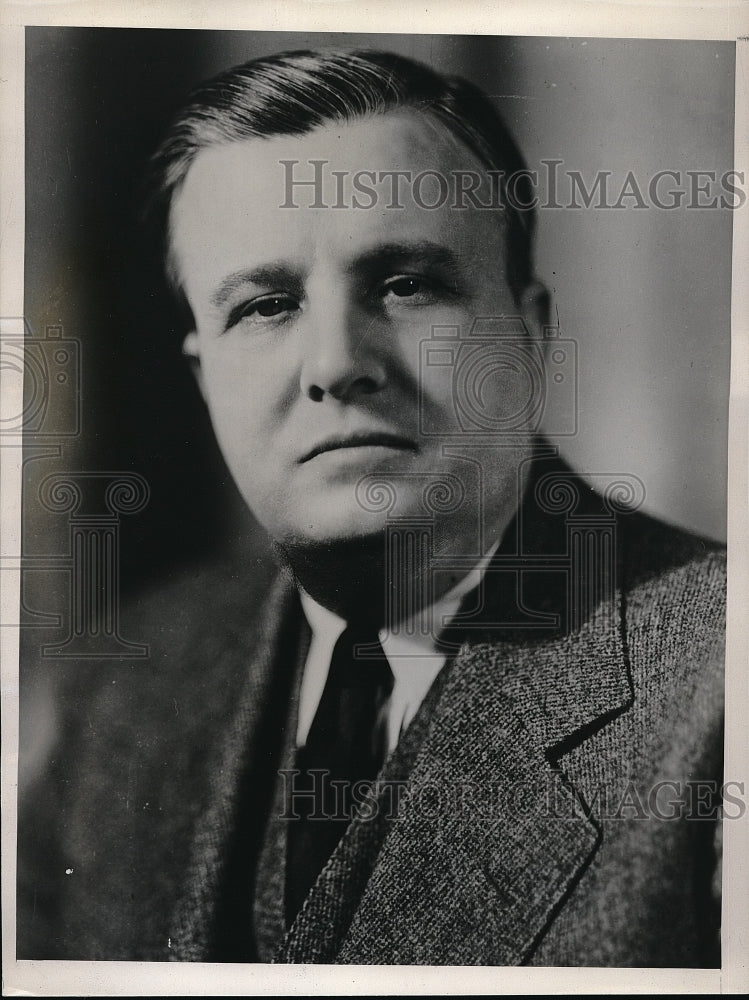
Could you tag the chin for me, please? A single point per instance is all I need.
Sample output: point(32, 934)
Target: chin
point(332, 531)
point(334, 515)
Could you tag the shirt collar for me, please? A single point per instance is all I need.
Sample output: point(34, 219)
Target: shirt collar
point(328, 626)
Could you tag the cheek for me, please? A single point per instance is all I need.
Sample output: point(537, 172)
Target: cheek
point(240, 400)
point(494, 388)
point(235, 377)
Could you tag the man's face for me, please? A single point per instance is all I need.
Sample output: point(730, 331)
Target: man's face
point(310, 321)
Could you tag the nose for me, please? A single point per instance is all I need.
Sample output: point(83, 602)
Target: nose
point(342, 357)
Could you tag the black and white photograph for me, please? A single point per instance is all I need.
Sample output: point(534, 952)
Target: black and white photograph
point(368, 409)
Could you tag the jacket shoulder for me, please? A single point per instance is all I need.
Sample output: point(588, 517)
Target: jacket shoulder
point(674, 582)
point(127, 763)
point(652, 547)
point(674, 620)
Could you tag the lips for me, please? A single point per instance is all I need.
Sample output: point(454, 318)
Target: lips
point(362, 439)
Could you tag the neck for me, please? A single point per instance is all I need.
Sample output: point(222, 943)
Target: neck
point(355, 579)
point(347, 577)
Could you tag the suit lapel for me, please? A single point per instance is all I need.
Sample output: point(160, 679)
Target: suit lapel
point(490, 834)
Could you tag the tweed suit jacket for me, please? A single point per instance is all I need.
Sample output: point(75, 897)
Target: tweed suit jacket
point(526, 831)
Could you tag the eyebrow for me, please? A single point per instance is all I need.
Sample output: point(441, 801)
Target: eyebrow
point(270, 275)
point(281, 274)
point(417, 251)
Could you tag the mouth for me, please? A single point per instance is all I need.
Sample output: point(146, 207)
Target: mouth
point(371, 439)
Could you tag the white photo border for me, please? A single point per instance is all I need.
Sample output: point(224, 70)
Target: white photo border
point(690, 20)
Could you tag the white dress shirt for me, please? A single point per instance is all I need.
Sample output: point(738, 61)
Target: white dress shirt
point(414, 658)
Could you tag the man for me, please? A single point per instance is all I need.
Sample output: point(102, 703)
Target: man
point(477, 720)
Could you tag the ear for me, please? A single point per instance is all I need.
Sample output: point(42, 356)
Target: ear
point(535, 309)
point(191, 351)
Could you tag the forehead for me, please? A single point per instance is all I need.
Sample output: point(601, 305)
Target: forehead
point(272, 197)
point(395, 140)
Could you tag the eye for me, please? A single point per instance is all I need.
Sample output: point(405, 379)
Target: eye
point(410, 289)
point(406, 286)
point(271, 307)
point(265, 307)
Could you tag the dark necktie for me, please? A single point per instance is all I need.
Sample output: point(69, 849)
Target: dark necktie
point(346, 744)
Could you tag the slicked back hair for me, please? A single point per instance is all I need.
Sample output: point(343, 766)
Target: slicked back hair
point(293, 93)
